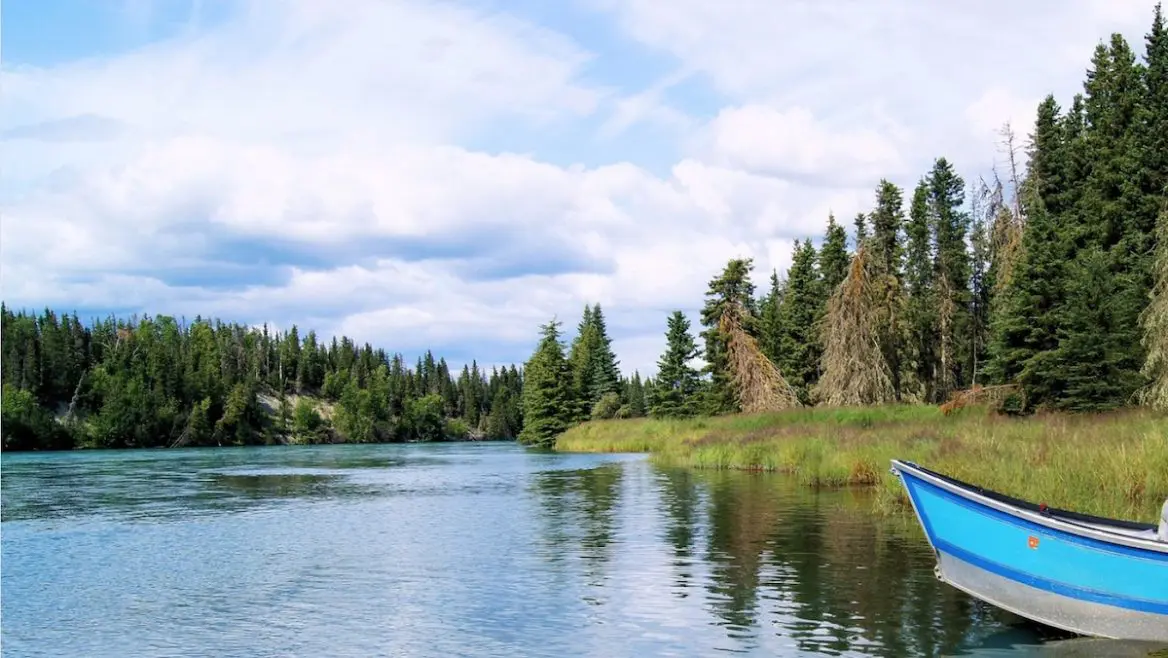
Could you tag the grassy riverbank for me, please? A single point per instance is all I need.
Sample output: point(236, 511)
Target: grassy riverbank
point(1112, 464)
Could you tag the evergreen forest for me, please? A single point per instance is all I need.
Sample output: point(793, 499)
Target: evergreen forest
point(1044, 287)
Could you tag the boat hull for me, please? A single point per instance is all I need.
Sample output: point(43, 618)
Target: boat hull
point(1079, 579)
point(1063, 612)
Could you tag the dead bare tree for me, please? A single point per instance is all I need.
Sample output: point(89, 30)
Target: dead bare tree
point(759, 384)
point(946, 310)
point(855, 370)
point(1009, 144)
point(1007, 218)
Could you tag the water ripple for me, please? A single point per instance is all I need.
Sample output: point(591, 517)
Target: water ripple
point(483, 550)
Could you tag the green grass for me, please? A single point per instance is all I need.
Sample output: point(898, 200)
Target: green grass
point(1113, 464)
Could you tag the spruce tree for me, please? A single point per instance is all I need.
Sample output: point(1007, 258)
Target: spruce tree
point(1154, 136)
point(605, 376)
point(676, 386)
point(1112, 239)
point(803, 306)
point(919, 364)
point(887, 219)
point(770, 320)
point(861, 224)
point(635, 398)
point(732, 286)
point(1025, 327)
point(886, 278)
point(547, 391)
point(582, 358)
point(833, 256)
point(594, 365)
point(1093, 372)
point(951, 274)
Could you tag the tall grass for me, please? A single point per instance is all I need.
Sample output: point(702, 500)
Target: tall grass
point(1113, 464)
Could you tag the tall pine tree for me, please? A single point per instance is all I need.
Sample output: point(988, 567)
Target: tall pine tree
point(547, 394)
point(803, 306)
point(833, 256)
point(951, 273)
point(887, 219)
point(770, 319)
point(605, 375)
point(676, 388)
point(732, 286)
point(919, 365)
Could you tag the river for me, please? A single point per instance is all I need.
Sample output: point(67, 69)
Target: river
point(462, 550)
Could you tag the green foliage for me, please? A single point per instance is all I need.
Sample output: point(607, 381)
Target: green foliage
point(1067, 461)
point(146, 382)
point(354, 416)
point(594, 365)
point(803, 306)
point(1092, 358)
point(634, 403)
point(676, 389)
point(607, 407)
point(424, 419)
point(457, 429)
point(506, 416)
point(549, 403)
point(27, 425)
point(833, 257)
point(887, 219)
point(920, 316)
point(1068, 325)
point(307, 424)
point(951, 274)
point(861, 224)
point(1046, 292)
point(770, 320)
point(732, 286)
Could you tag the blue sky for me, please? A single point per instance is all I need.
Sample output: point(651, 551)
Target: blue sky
point(449, 174)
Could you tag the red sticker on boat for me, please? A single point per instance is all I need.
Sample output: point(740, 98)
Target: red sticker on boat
point(1032, 541)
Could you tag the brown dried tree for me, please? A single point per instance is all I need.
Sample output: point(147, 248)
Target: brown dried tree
point(1154, 320)
point(758, 383)
point(855, 370)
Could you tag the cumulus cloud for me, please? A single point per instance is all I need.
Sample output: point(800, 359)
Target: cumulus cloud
point(354, 167)
point(880, 68)
point(795, 144)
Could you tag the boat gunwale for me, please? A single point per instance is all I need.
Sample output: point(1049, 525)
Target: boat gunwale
point(1027, 511)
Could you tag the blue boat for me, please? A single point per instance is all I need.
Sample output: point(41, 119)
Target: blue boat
point(1083, 574)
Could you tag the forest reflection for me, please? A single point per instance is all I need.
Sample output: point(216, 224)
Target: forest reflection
point(767, 561)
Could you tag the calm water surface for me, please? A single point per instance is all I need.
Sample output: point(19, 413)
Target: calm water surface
point(463, 550)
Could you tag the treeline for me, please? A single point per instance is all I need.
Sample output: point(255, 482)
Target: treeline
point(158, 382)
point(564, 387)
point(1045, 287)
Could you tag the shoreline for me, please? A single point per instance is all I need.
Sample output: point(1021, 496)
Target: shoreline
point(1112, 464)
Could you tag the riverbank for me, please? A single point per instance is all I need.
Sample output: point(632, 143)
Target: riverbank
point(1113, 464)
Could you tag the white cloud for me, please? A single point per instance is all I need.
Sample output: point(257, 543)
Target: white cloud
point(307, 73)
point(338, 136)
point(853, 63)
point(663, 238)
point(649, 106)
point(795, 144)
